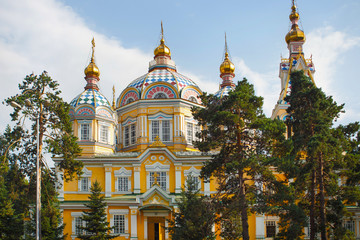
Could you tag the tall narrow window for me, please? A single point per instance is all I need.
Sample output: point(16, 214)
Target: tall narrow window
point(155, 130)
point(189, 132)
point(104, 133)
point(126, 136)
point(119, 224)
point(196, 130)
point(349, 225)
point(85, 131)
point(84, 184)
point(133, 134)
point(123, 184)
point(78, 225)
point(196, 183)
point(165, 130)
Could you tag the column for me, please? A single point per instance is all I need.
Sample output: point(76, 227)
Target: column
point(60, 183)
point(133, 212)
point(108, 168)
point(177, 178)
point(260, 227)
point(136, 178)
point(166, 232)
point(145, 228)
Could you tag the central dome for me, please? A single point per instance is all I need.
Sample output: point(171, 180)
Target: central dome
point(160, 83)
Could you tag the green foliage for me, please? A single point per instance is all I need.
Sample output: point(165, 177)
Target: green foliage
point(195, 217)
point(55, 127)
point(314, 158)
point(245, 139)
point(95, 226)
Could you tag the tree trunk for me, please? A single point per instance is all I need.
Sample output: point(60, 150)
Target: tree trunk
point(312, 206)
point(244, 208)
point(322, 198)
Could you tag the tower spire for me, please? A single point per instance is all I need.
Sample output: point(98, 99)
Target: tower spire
point(227, 68)
point(92, 72)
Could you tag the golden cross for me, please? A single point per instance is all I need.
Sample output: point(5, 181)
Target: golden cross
point(93, 49)
point(155, 176)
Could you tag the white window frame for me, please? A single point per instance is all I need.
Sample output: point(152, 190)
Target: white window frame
point(82, 123)
point(75, 216)
point(270, 223)
point(157, 167)
point(87, 174)
point(160, 117)
point(100, 133)
point(124, 212)
point(193, 172)
point(122, 172)
point(192, 128)
point(128, 126)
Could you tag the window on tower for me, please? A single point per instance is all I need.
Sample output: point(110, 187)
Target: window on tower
point(85, 132)
point(129, 135)
point(162, 129)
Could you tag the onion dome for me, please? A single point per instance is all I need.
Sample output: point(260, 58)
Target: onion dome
point(162, 49)
point(227, 66)
point(295, 34)
point(91, 97)
point(92, 70)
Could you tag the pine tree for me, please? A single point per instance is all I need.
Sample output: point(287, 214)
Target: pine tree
point(314, 159)
point(236, 126)
point(195, 216)
point(96, 226)
point(39, 98)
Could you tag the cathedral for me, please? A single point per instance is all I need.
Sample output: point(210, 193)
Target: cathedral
point(139, 146)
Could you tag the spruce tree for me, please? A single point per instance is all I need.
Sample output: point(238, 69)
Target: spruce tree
point(195, 216)
point(236, 127)
point(96, 226)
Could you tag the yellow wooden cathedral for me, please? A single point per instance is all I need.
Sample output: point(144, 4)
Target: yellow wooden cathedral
point(139, 147)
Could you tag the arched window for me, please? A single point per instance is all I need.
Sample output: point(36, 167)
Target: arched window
point(160, 95)
point(130, 100)
point(193, 99)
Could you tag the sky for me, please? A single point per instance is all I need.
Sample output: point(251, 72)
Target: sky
point(55, 35)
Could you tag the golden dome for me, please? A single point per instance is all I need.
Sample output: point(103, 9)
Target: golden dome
point(295, 34)
point(92, 70)
point(162, 49)
point(227, 66)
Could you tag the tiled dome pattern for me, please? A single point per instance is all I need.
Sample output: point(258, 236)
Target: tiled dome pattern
point(91, 97)
point(162, 75)
point(223, 91)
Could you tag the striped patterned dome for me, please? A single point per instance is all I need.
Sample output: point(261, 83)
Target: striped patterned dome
point(91, 97)
point(162, 75)
point(224, 91)
point(160, 83)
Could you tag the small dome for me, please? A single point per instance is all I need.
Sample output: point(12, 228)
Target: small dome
point(295, 35)
point(92, 70)
point(91, 97)
point(227, 66)
point(162, 49)
point(224, 91)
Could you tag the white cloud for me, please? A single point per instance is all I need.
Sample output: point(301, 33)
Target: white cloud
point(327, 47)
point(47, 35)
point(266, 85)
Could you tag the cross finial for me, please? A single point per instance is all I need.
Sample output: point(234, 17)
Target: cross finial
point(93, 49)
point(155, 175)
point(226, 46)
point(162, 30)
point(113, 102)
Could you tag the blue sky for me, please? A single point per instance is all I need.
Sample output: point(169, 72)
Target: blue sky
point(55, 35)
